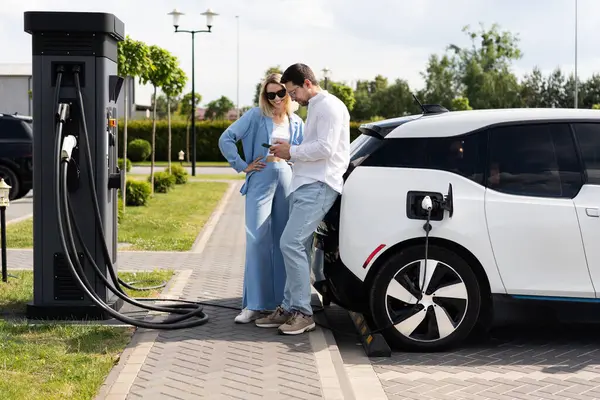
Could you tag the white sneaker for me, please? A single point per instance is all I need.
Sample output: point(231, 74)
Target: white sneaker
point(247, 316)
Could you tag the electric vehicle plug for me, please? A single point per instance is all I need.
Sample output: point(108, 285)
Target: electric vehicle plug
point(427, 204)
point(68, 145)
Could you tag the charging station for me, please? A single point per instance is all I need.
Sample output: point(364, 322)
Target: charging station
point(66, 46)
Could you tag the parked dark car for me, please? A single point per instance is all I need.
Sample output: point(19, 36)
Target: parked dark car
point(16, 153)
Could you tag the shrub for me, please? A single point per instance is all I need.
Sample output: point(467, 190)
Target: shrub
point(128, 164)
point(139, 149)
point(137, 192)
point(207, 132)
point(181, 175)
point(163, 182)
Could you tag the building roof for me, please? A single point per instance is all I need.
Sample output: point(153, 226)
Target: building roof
point(23, 69)
point(459, 122)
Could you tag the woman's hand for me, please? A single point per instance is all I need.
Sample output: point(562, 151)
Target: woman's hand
point(255, 165)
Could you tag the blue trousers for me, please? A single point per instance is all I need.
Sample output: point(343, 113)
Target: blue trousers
point(309, 204)
point(267, 211)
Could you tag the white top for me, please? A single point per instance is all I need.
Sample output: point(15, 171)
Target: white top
point(324, 153)
point(281, 131)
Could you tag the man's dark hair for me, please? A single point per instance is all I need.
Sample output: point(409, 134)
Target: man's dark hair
point(297, 73)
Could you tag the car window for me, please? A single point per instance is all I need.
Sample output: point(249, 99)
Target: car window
point(459, 154)
point(588, 136)
point(534, 160)
point(11, 128)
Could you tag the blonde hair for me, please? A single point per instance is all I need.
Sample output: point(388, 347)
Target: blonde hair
point(265, 105)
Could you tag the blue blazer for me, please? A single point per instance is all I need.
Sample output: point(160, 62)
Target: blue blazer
point(253, 129)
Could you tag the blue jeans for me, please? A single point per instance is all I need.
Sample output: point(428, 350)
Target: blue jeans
point(267, 209)
point(308, 205)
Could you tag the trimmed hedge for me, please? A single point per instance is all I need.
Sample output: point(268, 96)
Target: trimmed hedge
point(207, 132)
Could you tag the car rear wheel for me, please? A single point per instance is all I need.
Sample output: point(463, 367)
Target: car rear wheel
point(12, 180)
point(434, 318)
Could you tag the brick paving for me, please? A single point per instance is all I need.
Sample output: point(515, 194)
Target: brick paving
point(224, 360)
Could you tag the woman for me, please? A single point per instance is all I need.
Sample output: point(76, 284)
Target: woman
point(266, 189)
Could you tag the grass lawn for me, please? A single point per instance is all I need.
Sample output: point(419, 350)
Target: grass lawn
point(185, 164)
point(170, 222)
point(53, 361)
point(198, 176)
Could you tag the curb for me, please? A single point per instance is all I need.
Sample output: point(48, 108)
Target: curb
point(19, 219)
point(210, 225)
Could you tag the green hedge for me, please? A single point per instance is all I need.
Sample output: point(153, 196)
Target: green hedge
point(207, 132)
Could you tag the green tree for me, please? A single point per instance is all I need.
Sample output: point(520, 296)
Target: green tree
point(162, 105)
point(483, 70)
point(185, 109)
point(269, 71)
point(344, 93)
point(172, 89)
point(532, 88)
point(460, 104)
point(133, 60)
point(440, 81)
point(394, 101)
point(159, 76)
point(218, 109)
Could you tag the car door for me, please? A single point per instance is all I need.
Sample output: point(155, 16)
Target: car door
point(587, 201)
point(533, 175)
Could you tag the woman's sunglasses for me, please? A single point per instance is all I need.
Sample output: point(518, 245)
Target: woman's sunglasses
point(279, 93)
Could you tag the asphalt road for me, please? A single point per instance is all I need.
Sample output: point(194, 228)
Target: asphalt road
point(199, 170)
point(20, 208)
point(23, 207)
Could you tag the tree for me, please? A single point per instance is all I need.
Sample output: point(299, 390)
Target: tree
point(218, 109)
point(173, 88)
point(440, 81)
point(269, 71)
point(159, 76)
point(344, 93)
point(162, 106)
point(185, 109)
point(460, 104)
point(483, 71)
point(133, 61)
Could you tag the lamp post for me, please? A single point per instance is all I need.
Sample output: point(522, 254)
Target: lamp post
point(209, 14)
point(4, 201)
point(326, 72)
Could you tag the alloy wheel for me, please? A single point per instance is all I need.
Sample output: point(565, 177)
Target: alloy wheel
point(426, 303)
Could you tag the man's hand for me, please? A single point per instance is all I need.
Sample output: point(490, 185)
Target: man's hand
point(281, 149)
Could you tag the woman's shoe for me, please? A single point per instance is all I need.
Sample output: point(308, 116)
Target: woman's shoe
point(247, 316)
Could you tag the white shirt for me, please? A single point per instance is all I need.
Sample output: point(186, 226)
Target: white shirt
point(324, 154)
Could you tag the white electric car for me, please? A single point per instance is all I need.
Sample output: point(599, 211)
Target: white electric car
point(515, 196)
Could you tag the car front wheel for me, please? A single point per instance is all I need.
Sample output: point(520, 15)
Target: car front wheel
point(422, 307)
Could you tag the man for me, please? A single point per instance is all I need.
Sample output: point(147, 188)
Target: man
point(319, 163)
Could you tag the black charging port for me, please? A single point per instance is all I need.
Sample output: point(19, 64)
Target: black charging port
point(414, 209)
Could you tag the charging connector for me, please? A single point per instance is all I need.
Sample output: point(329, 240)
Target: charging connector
point(68, 145)
point(427, 205)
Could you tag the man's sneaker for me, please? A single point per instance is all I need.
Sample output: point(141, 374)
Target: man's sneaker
point(297, 324)
point(247, 316)
point(275, 319)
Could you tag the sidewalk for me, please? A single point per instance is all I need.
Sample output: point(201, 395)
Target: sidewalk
point(220, 359)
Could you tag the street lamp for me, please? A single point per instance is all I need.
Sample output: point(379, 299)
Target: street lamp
point(209, 14)
point(326, 72)
point(4, 201)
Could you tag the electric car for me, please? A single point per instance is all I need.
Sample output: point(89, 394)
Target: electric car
point(499, 202)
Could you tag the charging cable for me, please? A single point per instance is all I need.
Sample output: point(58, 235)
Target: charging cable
point(426, 204)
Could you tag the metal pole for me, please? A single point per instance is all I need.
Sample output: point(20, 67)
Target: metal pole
point(193, 109)
point(237, 17)
point(576, 86)
point(3, 231)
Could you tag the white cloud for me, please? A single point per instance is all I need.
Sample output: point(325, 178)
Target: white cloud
point(355, 39)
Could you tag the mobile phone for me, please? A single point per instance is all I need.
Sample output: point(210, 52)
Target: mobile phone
point(266, 145)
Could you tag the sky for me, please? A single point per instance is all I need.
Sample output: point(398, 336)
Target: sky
point(355, 39)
